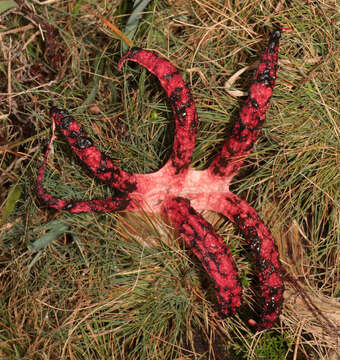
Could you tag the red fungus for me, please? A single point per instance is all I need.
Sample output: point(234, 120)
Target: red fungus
point(180, 192)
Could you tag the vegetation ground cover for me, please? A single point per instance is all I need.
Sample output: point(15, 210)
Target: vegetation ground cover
point(119, 286)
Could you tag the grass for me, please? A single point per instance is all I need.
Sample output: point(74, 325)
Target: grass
point(117, 287)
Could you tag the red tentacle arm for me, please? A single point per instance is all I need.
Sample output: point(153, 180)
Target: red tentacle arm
point(209, 249)
point(103, 205)
point(264, 249)
point(252, 115)
point(182, 103)
point(99, 164)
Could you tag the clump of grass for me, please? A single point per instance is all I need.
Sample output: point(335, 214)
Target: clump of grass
point(116, 288)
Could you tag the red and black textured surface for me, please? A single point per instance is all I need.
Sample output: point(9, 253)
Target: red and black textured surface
point(183, 106)
point(210, 249)
point(252, 115)
point(180, 191)
point(264, 251)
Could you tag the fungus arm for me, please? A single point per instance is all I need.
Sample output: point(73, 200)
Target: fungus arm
point(265, 253)
point(99, 163)
point(103, 205)
point(252, 115)
point(182, 103)
point(210, 249)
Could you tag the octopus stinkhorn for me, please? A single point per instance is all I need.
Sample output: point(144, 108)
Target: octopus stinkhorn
point(181, 192)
